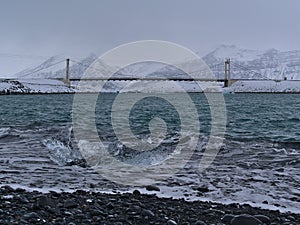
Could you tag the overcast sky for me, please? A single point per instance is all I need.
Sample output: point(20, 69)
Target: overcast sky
point(76, 28)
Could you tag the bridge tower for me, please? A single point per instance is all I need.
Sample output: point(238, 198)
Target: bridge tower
point(227, 81)
point(68, 72)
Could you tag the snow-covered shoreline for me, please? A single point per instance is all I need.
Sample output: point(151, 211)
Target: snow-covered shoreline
point(34, 86)
point(265, 86)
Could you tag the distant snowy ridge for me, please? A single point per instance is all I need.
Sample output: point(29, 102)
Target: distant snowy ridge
point(47, 69)
point(269, 64)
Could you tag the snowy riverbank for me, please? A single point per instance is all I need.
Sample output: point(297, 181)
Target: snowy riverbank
point(33, 86)
point(266, 86)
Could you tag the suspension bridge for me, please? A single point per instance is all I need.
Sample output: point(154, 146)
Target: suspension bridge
point(226, 76)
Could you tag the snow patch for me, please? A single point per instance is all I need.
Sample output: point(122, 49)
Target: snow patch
point(264, 86)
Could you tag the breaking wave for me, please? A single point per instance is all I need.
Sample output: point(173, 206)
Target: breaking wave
point(4, 132)
point(62, 151)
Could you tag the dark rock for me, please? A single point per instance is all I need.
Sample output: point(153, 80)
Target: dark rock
point(245, 220)
point(227, 218)
point(136, 208)
point(53, 211)
point(44, 201)
point(69, 203)
point(7, 188)
point(54, 194)
point(152, 188)
point(30, 216)
point(96, 219)
point(136, 192)
point(128, 208)
point(186, 223)
point(118, 223)
point(234, 205)
point(20, 190)
point(23, 200)
point(147, 212)
point(67, 213)
point(263, 218)
point(109, 205)
point(171, 222)
point(80, 192)
point(95, 212)
point(32, 185)
point(77, 162)
point(203, 189)
point(290, 218)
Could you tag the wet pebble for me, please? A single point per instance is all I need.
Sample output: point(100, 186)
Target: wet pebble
point(152, 188)
point(136, 192)
point(263, 218)
point(44, 201)
point(30, 216)
point(245, 220)
point(227, 218)
point(203, 189)
point(70, 203)
point(171, 222)
point(147, 212)
point(76, 208)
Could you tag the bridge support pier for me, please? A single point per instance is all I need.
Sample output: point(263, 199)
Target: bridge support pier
point(227, 80)
point(68, 73)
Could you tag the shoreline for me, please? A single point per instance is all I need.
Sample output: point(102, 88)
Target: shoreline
point(81, 207)
point(73, 93)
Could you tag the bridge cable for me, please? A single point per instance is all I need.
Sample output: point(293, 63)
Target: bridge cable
point(250, 70)
point(35, 71)
point(124, 74)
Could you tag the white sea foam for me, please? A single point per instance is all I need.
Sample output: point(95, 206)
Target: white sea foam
point(4, 131)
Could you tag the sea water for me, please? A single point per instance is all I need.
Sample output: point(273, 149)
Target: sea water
point(258, 162)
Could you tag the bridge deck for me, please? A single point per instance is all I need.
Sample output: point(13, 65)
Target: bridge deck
point(146, 79)
point(155, 79)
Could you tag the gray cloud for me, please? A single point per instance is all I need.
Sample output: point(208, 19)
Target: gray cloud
point(78, 27)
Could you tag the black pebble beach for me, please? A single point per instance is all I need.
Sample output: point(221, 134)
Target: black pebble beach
point(21, 207)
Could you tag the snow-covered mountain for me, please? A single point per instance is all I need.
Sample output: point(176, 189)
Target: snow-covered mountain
point(247, 64)
point(252, 64)
point(46, 69)
point(55, 67)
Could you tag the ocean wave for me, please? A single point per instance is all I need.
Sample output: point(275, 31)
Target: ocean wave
point(4, 131)
point(289, 144)
point(62, 151)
